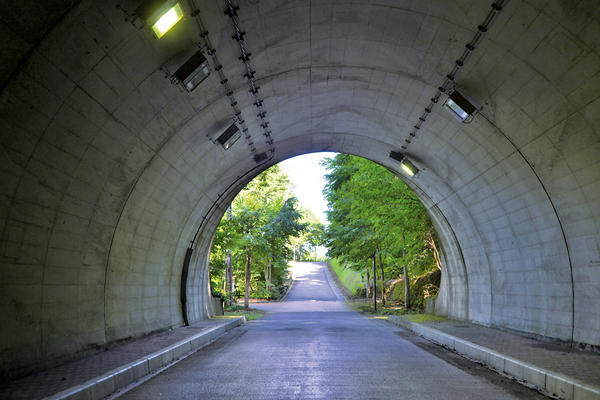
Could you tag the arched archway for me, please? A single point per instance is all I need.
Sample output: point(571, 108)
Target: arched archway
point(108, 168)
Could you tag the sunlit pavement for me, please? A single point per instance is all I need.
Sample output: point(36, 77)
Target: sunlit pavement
point(311, 292)
point(312, 346)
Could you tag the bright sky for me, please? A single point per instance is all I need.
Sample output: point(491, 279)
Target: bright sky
point(307, 177)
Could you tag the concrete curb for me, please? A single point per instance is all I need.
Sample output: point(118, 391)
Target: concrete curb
point(562, 386)
point(118, 378)
point(336, 291)
point(286, 293)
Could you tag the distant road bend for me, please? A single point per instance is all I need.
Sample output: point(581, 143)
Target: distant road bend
point(313, 346)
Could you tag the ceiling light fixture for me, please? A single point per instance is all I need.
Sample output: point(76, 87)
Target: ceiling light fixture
point(192, 72)
point(160, 16)
point(229, 137)
point(396, 155)
point(459, 64)
point(406, 164)
point(260, 157)
point(409, 167)
point(459, 106)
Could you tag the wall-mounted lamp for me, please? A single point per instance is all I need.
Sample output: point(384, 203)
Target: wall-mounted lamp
point(409, 167)
point(459, 107)
point(260, 157)
point(192, 72)
point(396, 155)
point(229, 137)
point(160, 16)
point(406, 164)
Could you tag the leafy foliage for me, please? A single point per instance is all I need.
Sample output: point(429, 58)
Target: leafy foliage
point(373, 215)
point(263, 218)
point(304, 246)
point(422, 287)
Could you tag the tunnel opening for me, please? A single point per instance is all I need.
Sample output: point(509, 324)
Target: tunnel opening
point(264, 229)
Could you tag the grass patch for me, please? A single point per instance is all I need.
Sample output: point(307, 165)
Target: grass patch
point(414, 315)
point(348, 281)
point(366, 306)
point(237, 311)
point(352, 280)
point(424, 318)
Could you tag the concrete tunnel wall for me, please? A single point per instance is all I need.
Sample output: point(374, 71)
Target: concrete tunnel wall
point(107, 170)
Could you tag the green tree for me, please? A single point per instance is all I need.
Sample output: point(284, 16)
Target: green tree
point(263, 217)
point(371, 211)
point(285, 224)
point(306, 243)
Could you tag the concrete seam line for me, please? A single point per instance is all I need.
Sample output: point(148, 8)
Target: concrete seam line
point(560, 385)
point(93, 385)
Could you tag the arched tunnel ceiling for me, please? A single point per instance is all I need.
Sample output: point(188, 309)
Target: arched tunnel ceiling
point(108, 170)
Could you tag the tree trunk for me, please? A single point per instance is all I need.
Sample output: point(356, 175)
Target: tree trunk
point(436, 253)
point(229, 269)
point(368, 286)
point(406, 283)
point(247, 271)
point(382, 280)
point(228, 278)
point(268, 271)
point(374, 284)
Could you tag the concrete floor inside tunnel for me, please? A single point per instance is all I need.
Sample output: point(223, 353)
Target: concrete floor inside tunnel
point(313, 346)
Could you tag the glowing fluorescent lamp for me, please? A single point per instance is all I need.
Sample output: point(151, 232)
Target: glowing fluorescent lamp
point(160, 16)
point(409, 168)
point(406, 164)
point(167, 21)
point(459, 107)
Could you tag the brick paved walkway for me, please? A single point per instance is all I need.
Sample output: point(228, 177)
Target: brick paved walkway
point(575, 365)
point(53, 381)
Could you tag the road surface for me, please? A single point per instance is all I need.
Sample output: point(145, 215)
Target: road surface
point(313, 346)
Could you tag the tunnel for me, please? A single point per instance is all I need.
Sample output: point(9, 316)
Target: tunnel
point(113, 165)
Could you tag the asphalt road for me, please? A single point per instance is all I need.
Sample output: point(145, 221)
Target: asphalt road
point(312, 346)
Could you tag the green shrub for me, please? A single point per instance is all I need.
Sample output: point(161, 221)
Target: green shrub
point(421, 287)
point(263, 290)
